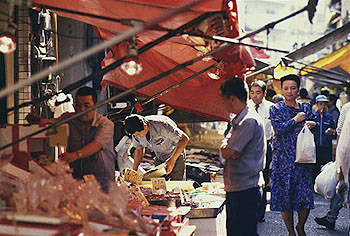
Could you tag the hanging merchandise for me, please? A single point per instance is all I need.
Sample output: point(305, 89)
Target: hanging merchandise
point(60, 104)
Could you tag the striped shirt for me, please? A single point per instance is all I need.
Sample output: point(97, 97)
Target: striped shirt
point(342, 116)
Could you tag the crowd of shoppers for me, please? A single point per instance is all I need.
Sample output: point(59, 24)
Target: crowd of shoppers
point(291, 183)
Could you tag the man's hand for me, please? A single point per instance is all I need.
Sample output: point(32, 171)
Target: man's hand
point(69, 156)
point(170, 163)
point(330, 131)
point(33, 117)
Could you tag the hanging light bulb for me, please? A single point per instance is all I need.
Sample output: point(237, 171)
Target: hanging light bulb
point(7, 43)
point(214, 75)
point(132, 65)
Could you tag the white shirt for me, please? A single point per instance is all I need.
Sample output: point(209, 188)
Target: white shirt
point(264, 111)
point(342, 116)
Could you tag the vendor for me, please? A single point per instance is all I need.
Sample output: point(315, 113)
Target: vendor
point(90, 142)
point(163, 137)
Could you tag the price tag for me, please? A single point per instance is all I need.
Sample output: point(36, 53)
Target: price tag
point(158, 183)
point(133, 176)
point(59, 136)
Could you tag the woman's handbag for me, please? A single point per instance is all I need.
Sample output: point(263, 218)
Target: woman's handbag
point(326, 181)
point(306, 148)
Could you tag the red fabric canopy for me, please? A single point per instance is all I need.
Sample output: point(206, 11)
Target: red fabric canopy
point(200, 95)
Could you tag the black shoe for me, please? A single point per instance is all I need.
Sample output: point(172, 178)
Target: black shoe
point(325, 222)
point(261, 220)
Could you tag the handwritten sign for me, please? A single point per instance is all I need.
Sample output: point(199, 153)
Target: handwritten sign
point(157, 184)
point(58, 136)
point(133, 176)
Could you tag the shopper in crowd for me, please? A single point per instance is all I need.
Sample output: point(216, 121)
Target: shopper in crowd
point(336, 203)
point(163, 137)
point(90, 149)
point(332, 108)
point(244, 151)
point(269, 94)
point(304, 96)
point(257, 93)
point(291, 188)
point(325, 91)
point(277, 98)
point(323, 132)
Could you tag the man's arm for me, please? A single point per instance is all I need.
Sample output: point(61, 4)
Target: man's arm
point(84, 152)
point(138, 156)
point(180, 147)
point(228, 153)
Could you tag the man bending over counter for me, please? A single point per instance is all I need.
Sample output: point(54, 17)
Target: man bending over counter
point(163, 137)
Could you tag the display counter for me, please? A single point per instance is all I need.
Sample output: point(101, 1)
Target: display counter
point(207, 204)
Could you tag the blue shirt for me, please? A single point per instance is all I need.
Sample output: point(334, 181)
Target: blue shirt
point(322, 124)
point(247, 137)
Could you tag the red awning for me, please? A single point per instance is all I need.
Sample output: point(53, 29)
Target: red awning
point(200, 95)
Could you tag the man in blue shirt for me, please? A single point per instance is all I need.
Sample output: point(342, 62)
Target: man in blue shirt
point(244, 150)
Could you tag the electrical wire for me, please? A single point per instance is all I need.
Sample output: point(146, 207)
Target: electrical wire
point(152, 98)
point(117, 63)
point(120, 95)
point(51, 31)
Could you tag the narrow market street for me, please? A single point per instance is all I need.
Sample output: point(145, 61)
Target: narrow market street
point(274, 225)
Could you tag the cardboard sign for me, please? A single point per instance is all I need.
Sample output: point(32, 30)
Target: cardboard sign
point(158, 183)
point(90, 179)
point(59, 135)
point(133, 176)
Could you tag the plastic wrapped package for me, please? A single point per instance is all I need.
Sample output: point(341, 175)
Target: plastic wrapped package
point(62, 195)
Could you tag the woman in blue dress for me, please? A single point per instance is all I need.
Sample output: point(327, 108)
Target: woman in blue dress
point(291, 188)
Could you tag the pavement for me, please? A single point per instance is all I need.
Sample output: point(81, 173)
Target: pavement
point(274, 226)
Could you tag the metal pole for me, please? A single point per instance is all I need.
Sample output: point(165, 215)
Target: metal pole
point(83, 55)
point(117, 63)
point(272, 24)
point(157, 95)
point(122, 94)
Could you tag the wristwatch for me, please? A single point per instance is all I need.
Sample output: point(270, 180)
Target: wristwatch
point(79, 154)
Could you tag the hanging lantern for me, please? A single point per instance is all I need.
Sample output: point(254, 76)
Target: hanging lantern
point(132, 65)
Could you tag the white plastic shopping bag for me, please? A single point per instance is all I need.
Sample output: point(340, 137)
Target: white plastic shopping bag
point(326, 181)
point(306, 148)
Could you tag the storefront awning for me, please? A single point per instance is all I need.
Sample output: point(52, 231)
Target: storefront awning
point(200, 95)
point(334, 67)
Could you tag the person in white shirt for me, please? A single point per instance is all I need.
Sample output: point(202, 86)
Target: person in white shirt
point(257, 93)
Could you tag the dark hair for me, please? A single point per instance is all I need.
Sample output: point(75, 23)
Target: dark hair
point(303, 93)
point(234, 87)
point(259, 83)
point(87, 91)
point(293, 77)
point(270, 93)
point(133, 123)
point(332, 98)
point(325, 91)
